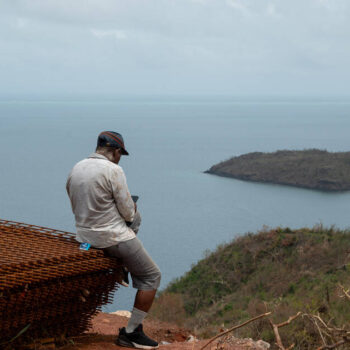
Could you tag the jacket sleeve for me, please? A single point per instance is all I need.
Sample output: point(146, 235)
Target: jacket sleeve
point(121, 195)
point(68, 190)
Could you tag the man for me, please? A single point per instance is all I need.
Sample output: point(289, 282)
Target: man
point(103, 210)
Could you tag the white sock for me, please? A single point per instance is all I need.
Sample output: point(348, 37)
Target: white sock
point(137, 317)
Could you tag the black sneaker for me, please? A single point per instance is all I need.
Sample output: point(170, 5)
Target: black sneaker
point(136, 339)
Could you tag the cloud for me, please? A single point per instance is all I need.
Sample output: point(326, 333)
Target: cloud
point(272, 11)
point(238, 5)
point(21, 22)
point(164, 46)
point(114, 33)
point(336, 6)
point(200, 1)
point(325, 3)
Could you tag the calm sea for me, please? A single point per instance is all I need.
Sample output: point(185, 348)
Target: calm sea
point(171, 142)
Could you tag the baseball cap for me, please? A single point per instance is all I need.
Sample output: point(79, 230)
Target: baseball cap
point(111, 139)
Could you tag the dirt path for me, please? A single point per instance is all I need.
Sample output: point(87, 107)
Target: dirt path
point(170, 337)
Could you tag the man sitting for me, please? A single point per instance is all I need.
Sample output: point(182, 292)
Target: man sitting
point(103, 207)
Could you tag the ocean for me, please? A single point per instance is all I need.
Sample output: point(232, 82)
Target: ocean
point(171, 142)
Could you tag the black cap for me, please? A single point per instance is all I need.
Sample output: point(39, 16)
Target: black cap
point(111, 139)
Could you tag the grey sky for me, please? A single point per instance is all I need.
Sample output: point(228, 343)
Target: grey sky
point(174, 46)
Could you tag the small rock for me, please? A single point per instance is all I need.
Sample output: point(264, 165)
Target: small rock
point(263, 344)
point(123, 313)
point(191, 339)
point(165, 342)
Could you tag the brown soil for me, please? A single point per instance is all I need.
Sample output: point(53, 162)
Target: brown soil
point(105, 328)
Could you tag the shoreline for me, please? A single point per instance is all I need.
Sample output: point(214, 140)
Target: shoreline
point(243, 178)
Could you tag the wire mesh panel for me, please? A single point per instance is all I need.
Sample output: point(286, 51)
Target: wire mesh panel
point(49, 286)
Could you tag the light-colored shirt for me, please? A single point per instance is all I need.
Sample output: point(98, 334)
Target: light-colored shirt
point(101, 202)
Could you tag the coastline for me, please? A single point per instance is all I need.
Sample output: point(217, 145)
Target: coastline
point(245, 178)
point(311, 169)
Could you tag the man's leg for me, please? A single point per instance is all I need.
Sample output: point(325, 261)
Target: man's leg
point(146, 278)
point(144, 299)
point(135, 226)
point(142, 304)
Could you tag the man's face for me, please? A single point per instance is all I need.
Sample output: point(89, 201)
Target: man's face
point(117, 155)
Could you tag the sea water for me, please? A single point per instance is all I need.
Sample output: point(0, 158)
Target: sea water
point(171, 142)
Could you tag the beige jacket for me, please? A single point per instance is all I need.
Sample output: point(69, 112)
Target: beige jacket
point(100, 201)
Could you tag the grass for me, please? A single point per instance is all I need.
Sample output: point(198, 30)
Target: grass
point(279, 270)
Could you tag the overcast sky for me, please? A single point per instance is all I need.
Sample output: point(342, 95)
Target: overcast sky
point(174, 47)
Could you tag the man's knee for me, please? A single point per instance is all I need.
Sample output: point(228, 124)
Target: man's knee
point(153, 280)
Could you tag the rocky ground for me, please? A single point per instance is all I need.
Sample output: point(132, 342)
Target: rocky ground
point(105, 327)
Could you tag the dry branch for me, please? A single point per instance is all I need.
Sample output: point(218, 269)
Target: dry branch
point(320, 332)
point(331, 332)
point(346, 292)
point(277, 334)
point(235, 327)
point(335, 345)
point(334, 331)
point(290, 319)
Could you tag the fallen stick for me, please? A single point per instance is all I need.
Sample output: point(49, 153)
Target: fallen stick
point(276, 332)
point(335, 345)
point(235, 327)
point(346, 292)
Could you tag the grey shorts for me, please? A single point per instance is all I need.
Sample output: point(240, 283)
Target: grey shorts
point(144, 272)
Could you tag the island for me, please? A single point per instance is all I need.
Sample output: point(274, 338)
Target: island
point(310, 168)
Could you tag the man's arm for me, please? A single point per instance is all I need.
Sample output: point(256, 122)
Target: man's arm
point(121, 194)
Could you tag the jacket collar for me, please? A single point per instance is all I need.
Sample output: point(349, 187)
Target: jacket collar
point(97, 155)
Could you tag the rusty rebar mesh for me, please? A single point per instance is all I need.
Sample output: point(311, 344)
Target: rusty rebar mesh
point(47, 282)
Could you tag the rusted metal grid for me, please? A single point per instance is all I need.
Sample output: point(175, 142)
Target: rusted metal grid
point(48, 283)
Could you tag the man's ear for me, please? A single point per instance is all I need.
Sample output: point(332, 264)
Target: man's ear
point(117, 155)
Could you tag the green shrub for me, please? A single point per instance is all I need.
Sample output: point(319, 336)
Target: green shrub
point(282, 270)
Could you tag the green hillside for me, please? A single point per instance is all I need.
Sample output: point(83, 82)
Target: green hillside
point(280, 270)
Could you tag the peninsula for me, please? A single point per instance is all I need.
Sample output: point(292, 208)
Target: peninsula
point(311, 168)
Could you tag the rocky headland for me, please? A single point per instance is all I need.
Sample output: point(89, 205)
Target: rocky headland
point(312, 168)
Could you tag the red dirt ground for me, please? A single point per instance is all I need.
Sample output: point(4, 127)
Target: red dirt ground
point(105, 328)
